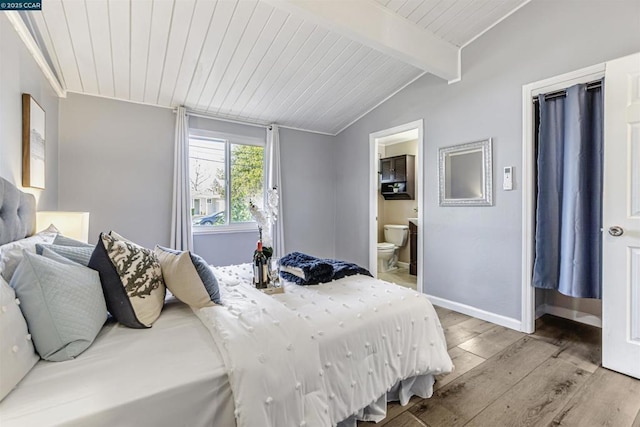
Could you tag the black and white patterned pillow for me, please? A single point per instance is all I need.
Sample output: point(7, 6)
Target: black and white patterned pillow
point(131, 279)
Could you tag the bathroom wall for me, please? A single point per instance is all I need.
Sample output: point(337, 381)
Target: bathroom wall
point(408, 147)
point(381, 154)
point(397, 211)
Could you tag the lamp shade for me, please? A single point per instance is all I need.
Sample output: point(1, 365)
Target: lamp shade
point(70, 224)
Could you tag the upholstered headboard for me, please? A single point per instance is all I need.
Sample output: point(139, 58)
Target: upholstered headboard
point(17, 213)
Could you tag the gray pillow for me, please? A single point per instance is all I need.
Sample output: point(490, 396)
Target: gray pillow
point(48, 253)
point(11, 253)
point(63, 305)
point(79, 254)
point(68, 241)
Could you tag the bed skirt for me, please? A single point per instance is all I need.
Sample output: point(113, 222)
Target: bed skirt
point(403, 391)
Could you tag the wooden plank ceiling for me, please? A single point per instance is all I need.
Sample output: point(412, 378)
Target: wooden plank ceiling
point(455, 21)
point(239, 59)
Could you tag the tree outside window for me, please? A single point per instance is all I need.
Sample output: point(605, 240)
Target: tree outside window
point(224, 173)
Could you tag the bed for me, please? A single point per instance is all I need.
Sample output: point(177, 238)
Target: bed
point(315, 355)
point(171, 376)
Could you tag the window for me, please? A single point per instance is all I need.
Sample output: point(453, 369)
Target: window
point(225, 173)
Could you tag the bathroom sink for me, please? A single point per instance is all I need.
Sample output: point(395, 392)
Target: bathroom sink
point(413, 221)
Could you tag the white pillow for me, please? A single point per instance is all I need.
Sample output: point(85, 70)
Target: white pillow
point(17, 355)
point(11, 253)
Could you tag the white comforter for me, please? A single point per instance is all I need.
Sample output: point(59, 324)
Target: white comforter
point(272, 362)
point(316, 355)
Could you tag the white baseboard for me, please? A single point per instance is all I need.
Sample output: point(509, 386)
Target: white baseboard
point(498, 319)
point(567, 313)
point(403, 264)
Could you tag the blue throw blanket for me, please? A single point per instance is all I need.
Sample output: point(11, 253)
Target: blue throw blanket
point(317, 270)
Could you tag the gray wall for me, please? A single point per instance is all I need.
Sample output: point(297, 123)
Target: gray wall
point(472, 255)
point(20, 74)
point(116, 161)
point(308, 193)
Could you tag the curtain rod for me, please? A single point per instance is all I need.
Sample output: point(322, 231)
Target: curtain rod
point(222, 119)
point(258, 125)
point(563, 92)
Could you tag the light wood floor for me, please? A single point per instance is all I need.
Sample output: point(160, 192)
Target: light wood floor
point(507, 378)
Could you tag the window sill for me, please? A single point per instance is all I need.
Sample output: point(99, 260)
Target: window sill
point(249, 228)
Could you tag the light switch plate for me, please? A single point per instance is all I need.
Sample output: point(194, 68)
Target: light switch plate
point(507, 180)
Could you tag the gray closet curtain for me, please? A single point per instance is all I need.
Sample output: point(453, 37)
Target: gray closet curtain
point(569, 205)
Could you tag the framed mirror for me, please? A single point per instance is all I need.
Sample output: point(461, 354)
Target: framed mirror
point(465, 174)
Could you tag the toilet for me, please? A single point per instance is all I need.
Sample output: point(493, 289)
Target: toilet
point(395, 237)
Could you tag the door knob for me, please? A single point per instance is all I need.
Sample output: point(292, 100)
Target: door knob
point(616, 231)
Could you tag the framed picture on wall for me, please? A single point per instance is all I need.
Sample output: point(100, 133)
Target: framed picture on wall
point(33, 143)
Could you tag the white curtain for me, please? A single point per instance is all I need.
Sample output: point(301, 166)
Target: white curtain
point(274, 180)
point(181, 235)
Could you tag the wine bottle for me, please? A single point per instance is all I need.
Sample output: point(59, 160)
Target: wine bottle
point(260, 268)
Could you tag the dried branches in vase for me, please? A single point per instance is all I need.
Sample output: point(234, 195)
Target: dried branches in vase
point(266, 218)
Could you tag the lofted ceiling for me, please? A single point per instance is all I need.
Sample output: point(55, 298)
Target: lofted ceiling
point(458, 22)
point(257, 61)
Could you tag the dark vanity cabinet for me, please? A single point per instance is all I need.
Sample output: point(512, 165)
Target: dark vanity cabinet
point(397, 177)
point(413, 249)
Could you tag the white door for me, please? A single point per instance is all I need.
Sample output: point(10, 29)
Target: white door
point(621, 217)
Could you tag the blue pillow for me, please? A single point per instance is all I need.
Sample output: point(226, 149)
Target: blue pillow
point(188, 277)
point(62, 303)
point(79, 254)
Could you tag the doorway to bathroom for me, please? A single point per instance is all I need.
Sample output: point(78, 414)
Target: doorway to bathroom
point(396, 214)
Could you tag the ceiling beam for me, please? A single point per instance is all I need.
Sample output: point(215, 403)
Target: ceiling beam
point(32, 47)
point(374, 25)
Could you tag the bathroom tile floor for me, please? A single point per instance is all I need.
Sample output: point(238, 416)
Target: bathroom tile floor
point(400, 277)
